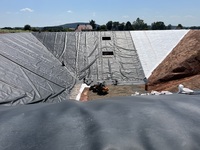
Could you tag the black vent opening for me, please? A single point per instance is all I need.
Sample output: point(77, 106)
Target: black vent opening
point(106, 38)
point(107, 53)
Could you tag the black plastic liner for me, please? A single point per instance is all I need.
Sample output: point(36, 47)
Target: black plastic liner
point(123, 123)
point(29, 73)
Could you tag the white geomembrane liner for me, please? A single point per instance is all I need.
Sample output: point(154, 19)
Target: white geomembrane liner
point(153, 46)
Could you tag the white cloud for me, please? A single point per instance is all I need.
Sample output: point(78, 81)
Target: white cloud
point(94, 14)
point(125, 16)
point(159, 16)
point(27, 10)
point(174, 16)
point(69, 11)
point(190, 17)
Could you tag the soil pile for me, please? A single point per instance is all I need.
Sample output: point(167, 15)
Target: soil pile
point(182, 65)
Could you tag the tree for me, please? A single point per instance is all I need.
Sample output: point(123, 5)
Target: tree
point(103, 28)
point(158, 26)
point(169, 27)
point(98, 28)
point(121, 26)
point(93, 24)
point(128, 26)
point(195, 27)
point(109, 25)
point(139, 25)
point(179, 26)
point(53, 29)
point(7, 28)
point(27, 27)
point(35, 29)
point(115, 25)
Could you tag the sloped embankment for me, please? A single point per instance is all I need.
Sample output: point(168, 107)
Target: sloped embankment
point(182, 65)
point(153, 46)
point(29, 73)
point(96, 56)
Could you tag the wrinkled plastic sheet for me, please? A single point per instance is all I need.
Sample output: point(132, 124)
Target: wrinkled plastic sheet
point(123, 123)
point(46, 68)
point(82, 54)
point(29, 73)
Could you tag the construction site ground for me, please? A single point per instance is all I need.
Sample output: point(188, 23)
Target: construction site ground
point(114, 91)
point(128, 90)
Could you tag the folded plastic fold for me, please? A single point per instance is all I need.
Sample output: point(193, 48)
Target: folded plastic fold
point(124, 123)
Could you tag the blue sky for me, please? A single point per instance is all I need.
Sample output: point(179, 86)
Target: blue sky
point(17, 13)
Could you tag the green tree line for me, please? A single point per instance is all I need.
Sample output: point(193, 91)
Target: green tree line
point(138, 24)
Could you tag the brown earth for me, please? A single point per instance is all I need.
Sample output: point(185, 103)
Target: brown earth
point(192, 82)
point(114, 91)
point(182, 65)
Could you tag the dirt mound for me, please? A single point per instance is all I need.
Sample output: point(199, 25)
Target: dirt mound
point(182, 65)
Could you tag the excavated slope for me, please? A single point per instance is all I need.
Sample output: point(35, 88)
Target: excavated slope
point(182, 65)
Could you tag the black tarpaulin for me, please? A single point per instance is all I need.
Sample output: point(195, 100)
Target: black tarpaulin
point(123, 123)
